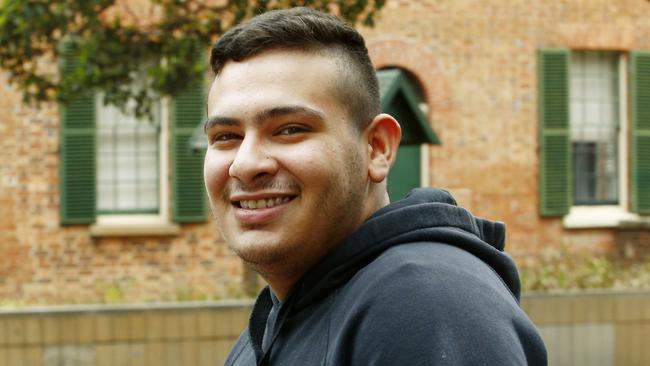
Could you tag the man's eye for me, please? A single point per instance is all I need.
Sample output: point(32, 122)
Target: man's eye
point(291, 130)
point(224, 137)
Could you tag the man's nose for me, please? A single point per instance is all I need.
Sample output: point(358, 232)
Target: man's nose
point(253, 160)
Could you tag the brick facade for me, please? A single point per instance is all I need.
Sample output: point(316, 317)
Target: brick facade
point(476, 63)
point(43, 262)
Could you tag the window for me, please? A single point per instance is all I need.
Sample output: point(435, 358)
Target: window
point(591, 148)
point(595, 128)
point(128, 161)
point(115, 170)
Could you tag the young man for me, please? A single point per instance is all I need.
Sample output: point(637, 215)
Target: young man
point(296, 175)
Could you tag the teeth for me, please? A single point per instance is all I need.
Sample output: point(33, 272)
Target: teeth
point(255, 204)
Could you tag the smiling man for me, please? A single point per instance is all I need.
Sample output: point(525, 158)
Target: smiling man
point(296, 173)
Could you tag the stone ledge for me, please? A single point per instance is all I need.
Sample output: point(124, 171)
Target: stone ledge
point(128, 307)
point(589, 217)
point(102, 230)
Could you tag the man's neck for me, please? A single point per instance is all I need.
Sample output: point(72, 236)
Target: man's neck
point(282, 281)
point(281, 292)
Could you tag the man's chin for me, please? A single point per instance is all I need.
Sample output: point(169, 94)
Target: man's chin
point(260, 253)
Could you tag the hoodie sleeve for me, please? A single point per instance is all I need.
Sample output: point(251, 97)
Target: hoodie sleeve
point(427, 304)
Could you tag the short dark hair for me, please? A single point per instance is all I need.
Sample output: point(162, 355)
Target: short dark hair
point(308, 30)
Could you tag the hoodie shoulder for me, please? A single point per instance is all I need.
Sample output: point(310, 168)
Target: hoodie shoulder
point(432, 272)
point(425, 302)
point(242, 353)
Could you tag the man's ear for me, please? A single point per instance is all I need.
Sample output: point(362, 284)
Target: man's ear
point(384, 134)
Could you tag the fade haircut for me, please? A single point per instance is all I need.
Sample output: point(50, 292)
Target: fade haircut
point(308, 30)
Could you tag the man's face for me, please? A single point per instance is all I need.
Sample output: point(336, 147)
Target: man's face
point(286, 172)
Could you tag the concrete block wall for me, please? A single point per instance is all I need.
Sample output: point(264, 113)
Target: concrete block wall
point(598, 328)
point(595, 329)
point(139, 335)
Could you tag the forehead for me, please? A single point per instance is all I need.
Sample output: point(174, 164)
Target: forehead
point(273, 78)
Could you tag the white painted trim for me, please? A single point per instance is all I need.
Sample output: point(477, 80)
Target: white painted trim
point(425, 179)
point(165, 122)
point(584, 217)
point(623, 147)
point(424, 166)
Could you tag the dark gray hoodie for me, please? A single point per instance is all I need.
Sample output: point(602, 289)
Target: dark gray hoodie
point(421, 282)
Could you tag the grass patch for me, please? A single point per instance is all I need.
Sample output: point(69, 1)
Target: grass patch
point(563, 271)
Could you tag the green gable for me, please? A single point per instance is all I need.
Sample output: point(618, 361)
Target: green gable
point(399, 97)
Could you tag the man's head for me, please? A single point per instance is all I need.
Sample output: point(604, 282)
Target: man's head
point(290, 169)
point(304, 29)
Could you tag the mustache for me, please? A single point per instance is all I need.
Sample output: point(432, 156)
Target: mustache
point(238, 187)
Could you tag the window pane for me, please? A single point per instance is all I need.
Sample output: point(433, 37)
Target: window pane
point(595, 127)
point(127, 161)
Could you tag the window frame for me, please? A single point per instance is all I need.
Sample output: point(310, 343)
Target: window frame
point(581, 125)
point(139, 211)
point(607, 216)
point(160, 223)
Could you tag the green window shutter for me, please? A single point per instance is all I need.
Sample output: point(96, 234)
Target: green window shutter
point(187, 162)
point(640, 131)
point(555, 188)
point(77, 152)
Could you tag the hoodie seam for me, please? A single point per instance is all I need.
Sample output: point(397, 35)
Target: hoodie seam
point(498, 276)
point(470, 219)
point(241, 349)
point(331, 301)
point(503, 283)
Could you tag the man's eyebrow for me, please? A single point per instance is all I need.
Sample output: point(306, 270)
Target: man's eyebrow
point(276, 112)
point(267, 114)
point(218, 120)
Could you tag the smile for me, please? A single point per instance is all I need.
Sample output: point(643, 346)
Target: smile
point(259, 211)
point(265, 203)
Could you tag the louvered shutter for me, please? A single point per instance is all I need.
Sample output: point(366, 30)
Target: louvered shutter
point(640, 162)
point(554, 133)
point(77, 152)
point(187, 162)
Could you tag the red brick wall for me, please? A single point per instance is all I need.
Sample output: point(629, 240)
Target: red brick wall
point(43, 262)
point(475, 60)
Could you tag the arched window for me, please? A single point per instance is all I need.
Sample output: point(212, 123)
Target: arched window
point(402, 98)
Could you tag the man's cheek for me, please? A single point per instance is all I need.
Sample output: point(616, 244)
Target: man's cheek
point(214, 172)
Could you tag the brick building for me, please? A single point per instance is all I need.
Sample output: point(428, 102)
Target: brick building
point(541, 110)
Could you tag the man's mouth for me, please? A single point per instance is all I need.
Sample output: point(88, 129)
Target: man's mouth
point(263, 203)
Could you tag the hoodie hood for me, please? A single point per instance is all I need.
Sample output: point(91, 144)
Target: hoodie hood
point(424, 215)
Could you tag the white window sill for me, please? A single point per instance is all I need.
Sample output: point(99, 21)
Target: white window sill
point(586, 217)
point(133, 225)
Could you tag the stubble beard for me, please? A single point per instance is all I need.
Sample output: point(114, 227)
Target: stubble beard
point(339, 214)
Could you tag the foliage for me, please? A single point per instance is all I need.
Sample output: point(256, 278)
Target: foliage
point(116, 40)
point(563, 271)
point(113, 294)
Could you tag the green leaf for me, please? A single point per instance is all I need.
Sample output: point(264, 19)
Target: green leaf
point(111, 50)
